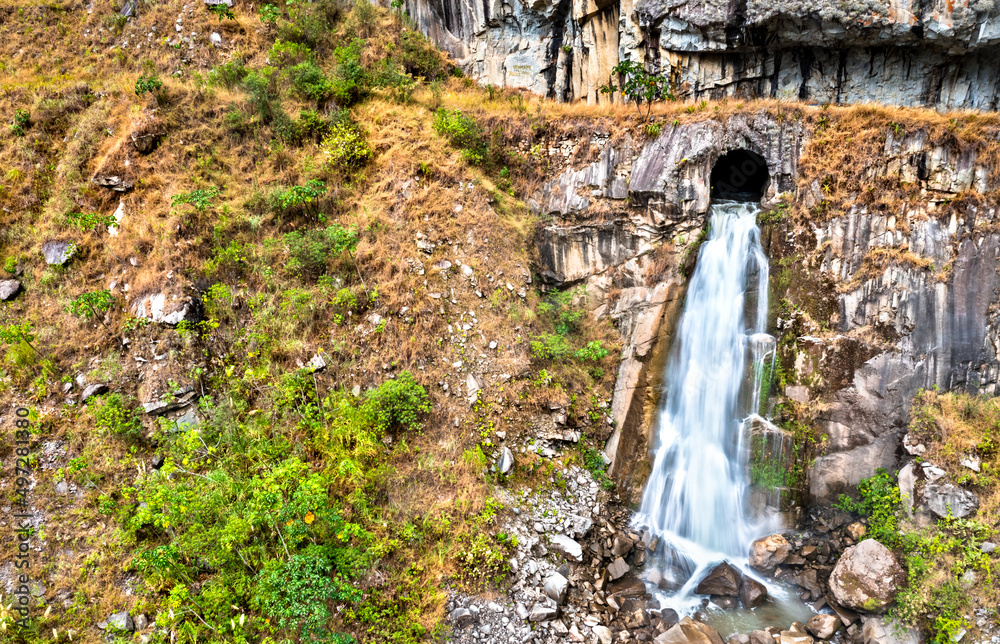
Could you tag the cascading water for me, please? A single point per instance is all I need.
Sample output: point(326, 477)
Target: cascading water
point(696, 497)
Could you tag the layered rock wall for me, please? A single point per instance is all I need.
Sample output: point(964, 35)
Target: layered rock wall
point(903, 52)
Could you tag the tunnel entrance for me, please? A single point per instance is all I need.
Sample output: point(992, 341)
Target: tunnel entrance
point(740, 175)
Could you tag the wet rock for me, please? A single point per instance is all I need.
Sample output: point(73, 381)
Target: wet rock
point(752, 592)
point(462, 617)
point(866, 577)
point(57, 253)
point(721, 580)
point(556, 587)
point(95, 389)
point(761, 637)
point(879, 630)
point(823, 626)
point(945, 499)
point(567, 547)
point(767, 552)
point(688, 631)
point(627, 587)
point(506, 461)
point(9, 290)
point(794, 637)
point(738, 638)
point(621, 545)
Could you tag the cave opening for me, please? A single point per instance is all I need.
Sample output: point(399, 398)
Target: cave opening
point(739, 175)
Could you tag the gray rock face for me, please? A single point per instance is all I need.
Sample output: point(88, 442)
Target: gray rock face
point(543, 611)
point(95, 389)
point(922, 53)
point(462, 617)
point(866, 577)
point(506, 461)
point(945, 499)
point(57, 253)
point(171, 311)
point(112, 182)
point(9, 289)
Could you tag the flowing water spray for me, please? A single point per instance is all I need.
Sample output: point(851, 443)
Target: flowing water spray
point(696, 497)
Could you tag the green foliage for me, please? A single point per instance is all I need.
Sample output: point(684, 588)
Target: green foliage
point(880, 502)
point(298, 593)
point(89, 221)
point(269, 14)
point(550, 346)
point(311, 250)
point(263, 97)
point(594, 352)
point(639, 86)
point(92, 304)
point(346, 146)
point(420, 57)
point(116, 417)
point(222, 12)
point(593, 460)
point(350, 81)
point(295, 199)
point(22, 121)
point(14, 334)
point(397, 405)
point(463, 132)
point(201, 198)
point(948, 630)
point(309, 81)
point(148, 84)
point(229, 74)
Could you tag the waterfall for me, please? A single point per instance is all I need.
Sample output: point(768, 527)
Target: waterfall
point(696, 496)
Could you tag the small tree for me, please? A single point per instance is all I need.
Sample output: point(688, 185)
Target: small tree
point(92, 304)
point(149, 84)
point(14, 334)
point(639, 86)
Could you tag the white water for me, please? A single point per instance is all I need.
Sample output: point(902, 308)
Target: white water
point(696, 496)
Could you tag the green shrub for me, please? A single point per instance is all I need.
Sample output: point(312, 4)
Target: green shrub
point(22, 121)
point(116, 417)
point(463, 132)
point(148, 84)
point(92, 304)
point(550, 346)
point(346, 147)
point(309, 81)
point(297, 594)
point(880, 502)
point(397, 403)
point(201, 198)
point(285, 54)
point(262, 94)
point(420, 57)
point(222, 12)
point(594, 351)
point(310, 251)
point(269, 14)
point(350, 82)
point(304, 198)
point(89, 221)
point(229, 74)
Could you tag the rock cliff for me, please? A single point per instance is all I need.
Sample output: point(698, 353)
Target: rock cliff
point(939, 53)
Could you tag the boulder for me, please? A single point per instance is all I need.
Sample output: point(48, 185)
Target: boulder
point(156, 307)
point(794, 637)
point(9, 290)
point(879, 630)
point(767, 552)
point(761, 637)
point(752, 592)
point(565, 546)
point(95, 389)
point(114, 182)
point(506, 461)
point(543, 611)
point(603, 634)
point(722, 580)
point(866, 577)
point(618, 568)
point(556, 587)
point(462, 617)
point(823, 626)
point(944, 499)
point(57, 253)
point(688, 631)
point(907, 480)
point(118, 622)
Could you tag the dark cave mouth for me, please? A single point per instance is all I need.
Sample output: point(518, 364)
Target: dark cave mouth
point(739, 175)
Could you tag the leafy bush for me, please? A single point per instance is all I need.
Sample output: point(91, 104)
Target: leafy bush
point(593, 460)
point(420, 57)
point(309, 81)
point(396, 404)
point(22, 121)
point(639, 86)
point(297, 594)
point(880, 502)
point(201, 198)
point(222, 12)
point(594, 351)
point(148, 84)
point(463, 132)
point(116, 417)
point(311, 250)
point(261, 86)
point(89, 221)
point(346, 146)
point(350, 82)
point(92, 304)
point(550, 346)
point(297, 198)
point(229, 74)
